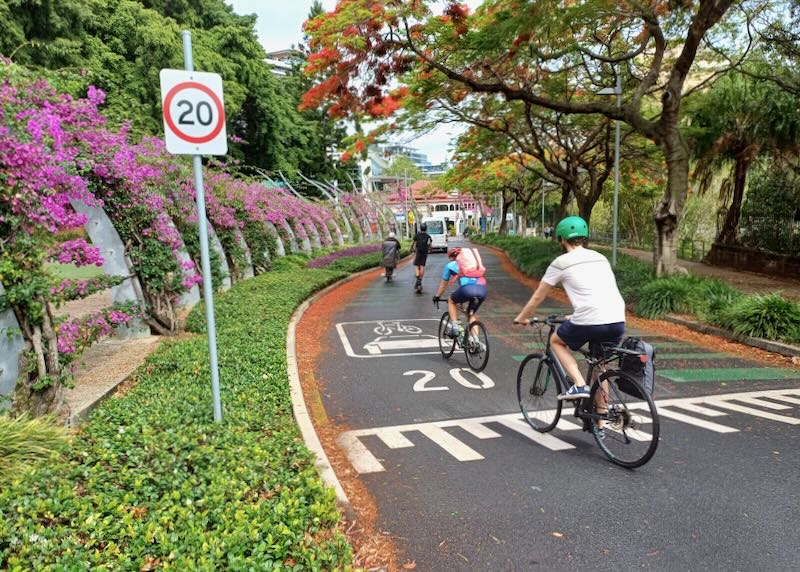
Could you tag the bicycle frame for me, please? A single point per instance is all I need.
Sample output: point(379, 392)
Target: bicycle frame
point(583, 409)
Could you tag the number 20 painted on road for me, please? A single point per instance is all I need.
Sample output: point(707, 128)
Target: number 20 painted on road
point(456, 373)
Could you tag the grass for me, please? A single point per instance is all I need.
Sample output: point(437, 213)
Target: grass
point(72, 272)
point(24, 441)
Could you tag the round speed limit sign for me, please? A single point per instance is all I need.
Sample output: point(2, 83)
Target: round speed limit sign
point(194, 113)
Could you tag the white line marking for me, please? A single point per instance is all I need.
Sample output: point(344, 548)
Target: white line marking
point(567, 425)
point(478, 430)
point(394, 439)
point(700, 410)
point(750, 411)
point(401, 344)
point(786, 399)
point(710, 425)
point(762, 403)
point(458, 449)
point(635, 434)
point(362, 460)
point(544, 439)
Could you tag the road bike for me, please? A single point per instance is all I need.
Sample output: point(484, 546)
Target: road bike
point(473, 340)
point(619, 413)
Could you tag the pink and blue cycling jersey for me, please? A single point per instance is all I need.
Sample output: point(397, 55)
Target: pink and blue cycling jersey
point(451, 269)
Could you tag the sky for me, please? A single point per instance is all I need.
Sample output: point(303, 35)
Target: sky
point(279, 25)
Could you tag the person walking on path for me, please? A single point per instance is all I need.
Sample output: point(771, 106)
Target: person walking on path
point(390, 254)
point(421, 245)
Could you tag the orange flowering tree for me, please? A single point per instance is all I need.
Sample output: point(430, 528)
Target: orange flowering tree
point(539, 56)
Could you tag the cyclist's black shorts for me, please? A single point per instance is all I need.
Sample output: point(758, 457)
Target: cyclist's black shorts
point(468, 292)
point(576, 335)
point(420, 259)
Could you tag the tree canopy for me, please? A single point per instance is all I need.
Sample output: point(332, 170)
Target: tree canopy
point(372, 58)
point(121, 45)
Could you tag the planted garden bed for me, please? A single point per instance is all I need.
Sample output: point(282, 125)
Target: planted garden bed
point(770, 317)
point(151, 482)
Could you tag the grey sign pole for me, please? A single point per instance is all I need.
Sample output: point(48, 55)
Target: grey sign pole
point(615, 223)
point(208, 291)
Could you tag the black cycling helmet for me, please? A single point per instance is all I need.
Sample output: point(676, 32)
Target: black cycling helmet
point(423, 226)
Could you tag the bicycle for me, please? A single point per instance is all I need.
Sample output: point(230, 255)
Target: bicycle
point(476, 346)
point(624, 422)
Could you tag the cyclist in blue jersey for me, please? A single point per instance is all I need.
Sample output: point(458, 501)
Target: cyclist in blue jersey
point(467, 269)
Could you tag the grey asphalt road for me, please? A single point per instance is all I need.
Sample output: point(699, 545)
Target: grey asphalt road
point(479, 494)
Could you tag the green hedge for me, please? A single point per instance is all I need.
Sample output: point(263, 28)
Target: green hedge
point(151, 482)
point(713, 301)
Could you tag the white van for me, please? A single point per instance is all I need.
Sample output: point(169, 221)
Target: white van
point(437, 228)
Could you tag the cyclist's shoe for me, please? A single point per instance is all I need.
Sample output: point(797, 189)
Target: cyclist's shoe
point(475, 345)
point(600, 434)
point(575, 392)
point(452, 330)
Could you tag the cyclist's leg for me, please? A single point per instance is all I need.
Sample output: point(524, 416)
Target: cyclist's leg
point(568, 361)
point(568, 338)
point(608, 334)
point(459, 296)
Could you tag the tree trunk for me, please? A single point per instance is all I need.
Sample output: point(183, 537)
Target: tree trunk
point(585, 206)
point(562, 206)
point(40, 388)
point(503, 222)
point(727, 235)
point(668, 213)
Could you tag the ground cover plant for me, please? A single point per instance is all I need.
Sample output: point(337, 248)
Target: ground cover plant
point(771, 317)
point(152, 483)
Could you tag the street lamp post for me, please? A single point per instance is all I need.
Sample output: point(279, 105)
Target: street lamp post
point(514, 226)
point(616, 90)
point(543, 209)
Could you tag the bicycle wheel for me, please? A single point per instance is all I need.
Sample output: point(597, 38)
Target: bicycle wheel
point(447, 345)
point(537, 392)
point(630, 431)
point(477, 346)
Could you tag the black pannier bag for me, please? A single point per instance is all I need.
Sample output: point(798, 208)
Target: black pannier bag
point(641, 367)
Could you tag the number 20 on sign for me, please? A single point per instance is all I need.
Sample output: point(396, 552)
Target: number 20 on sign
point(194, 113)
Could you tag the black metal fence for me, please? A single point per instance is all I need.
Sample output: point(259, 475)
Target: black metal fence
point(775, 234)
point(693, 249)
point(687, 249)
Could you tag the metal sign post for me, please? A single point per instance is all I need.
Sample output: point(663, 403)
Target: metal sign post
point(194, 124)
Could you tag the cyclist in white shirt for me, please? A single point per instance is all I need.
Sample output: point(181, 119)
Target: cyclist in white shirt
point(599, 310)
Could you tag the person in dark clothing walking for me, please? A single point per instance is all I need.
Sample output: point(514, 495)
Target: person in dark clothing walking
point(390, 254)
point(421, 244)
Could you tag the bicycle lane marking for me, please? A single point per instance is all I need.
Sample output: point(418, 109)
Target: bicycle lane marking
point(365, 461)
point(388, 341)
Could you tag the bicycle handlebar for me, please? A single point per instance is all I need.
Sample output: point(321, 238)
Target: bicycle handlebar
point(551, 320)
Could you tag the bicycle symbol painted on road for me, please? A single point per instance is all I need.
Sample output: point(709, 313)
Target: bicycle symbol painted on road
point(395, 326)
point(388, 338)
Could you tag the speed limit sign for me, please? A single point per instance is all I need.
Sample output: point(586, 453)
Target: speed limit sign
point(194, 114)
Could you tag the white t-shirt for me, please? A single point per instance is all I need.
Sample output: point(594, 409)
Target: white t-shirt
point(591, 287)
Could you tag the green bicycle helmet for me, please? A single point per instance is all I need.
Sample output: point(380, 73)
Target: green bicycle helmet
point(572, 227)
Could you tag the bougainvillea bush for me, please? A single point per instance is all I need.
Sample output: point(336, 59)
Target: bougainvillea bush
point(43, 160)
point(56, 151)
point(328, 259)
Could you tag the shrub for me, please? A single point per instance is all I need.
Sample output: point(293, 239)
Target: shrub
point(664, 296)
point(23, 441)
point(712, 296)
point(771, 317)
point(152, 481)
